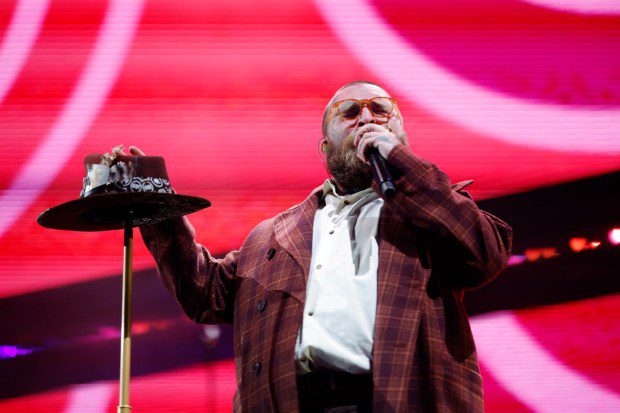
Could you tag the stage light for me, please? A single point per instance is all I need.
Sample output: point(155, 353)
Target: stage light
point(9, 352)
point(549, 252)
point(533, 254)
point(516, 259)
point(211, 335)
point(614, 236)
point(577, 244)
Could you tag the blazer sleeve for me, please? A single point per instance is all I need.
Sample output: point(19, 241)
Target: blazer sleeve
point(202, 285)
point(472, 245)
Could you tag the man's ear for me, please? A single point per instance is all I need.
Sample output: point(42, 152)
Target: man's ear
point(324, 145)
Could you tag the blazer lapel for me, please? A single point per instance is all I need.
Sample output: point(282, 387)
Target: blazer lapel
point(460, 185)
point(293, 230)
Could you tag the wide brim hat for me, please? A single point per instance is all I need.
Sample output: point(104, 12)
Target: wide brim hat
point(142, 196)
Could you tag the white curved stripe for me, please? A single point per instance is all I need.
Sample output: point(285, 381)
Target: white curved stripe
point(533, 375)
point(580, 6)
point(19, 38)
point(498, 115)
point(80, 110)
point(91, 397)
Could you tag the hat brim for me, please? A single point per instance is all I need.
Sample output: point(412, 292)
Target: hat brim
point(110, 211)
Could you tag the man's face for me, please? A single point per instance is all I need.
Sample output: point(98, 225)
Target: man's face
point(342, 162)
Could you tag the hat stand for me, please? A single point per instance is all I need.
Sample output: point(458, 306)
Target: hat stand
point(121, 211)
point(125, 368)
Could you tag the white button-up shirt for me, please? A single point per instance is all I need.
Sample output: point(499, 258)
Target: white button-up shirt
point(341, 297)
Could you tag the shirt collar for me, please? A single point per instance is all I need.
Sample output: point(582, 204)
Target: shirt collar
point(330, 189)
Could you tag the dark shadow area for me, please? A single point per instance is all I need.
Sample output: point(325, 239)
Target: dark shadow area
point(74, 331)
point(549, 216)
point(560, 279)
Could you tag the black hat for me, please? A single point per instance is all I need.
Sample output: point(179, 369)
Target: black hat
point(119, 189)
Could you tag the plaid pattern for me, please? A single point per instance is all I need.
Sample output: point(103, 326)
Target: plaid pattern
point(434, 244)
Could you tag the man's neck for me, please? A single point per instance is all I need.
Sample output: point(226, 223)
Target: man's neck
point(342, 190)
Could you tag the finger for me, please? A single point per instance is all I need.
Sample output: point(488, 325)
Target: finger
point(378, 140)
point(366, 143)
point(370, 127)
point(361, 132)
point(136, 151)
point(358, 136)
point(374, 127)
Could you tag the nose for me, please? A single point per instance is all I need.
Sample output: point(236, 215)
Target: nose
point(365, 117)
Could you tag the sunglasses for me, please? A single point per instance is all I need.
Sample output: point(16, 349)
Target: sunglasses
point(380, 107)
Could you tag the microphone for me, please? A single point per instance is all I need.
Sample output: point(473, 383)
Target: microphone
point(381, 173)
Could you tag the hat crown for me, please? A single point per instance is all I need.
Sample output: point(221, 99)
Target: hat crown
point(124, 173)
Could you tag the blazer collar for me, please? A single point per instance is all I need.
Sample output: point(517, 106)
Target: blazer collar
point(293, 230)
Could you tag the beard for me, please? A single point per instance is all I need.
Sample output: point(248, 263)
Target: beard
point(348, 170)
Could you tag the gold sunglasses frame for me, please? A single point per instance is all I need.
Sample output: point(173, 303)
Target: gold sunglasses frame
point(363, 102)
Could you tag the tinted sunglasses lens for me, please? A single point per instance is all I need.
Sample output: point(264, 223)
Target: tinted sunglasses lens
point(381, 106)
point(349, 108)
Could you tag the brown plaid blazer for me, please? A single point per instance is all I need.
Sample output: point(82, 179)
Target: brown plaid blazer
point(434, 244)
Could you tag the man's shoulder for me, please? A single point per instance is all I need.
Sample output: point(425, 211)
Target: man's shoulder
point(265, 228)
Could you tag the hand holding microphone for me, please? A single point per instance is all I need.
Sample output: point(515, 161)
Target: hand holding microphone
point(374, 144)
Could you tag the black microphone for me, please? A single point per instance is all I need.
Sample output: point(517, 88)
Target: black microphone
point(381, 173)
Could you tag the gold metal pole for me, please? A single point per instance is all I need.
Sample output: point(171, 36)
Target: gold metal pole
point(123, 406)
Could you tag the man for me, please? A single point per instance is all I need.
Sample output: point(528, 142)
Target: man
point(348, 301)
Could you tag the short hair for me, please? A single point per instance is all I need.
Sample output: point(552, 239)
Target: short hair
point(331, 101)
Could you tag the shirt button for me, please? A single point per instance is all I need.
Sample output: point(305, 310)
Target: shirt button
point(271, 253)
point(318, 267)
point(303, 359)
point(256, 368)
point(331, 232)
point(311, 313)
point(346, 202)
point(260, 307)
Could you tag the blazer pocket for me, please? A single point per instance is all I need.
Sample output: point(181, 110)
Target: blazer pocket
point(461, 374)
point(279, 273)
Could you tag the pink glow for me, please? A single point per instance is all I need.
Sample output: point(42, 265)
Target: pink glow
point(91, 397)
point(79, 112)
point(581, 6)
point(516, 259)
point(19, 39)
point(531, 373)
point(231, 94)
point(497, 115)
